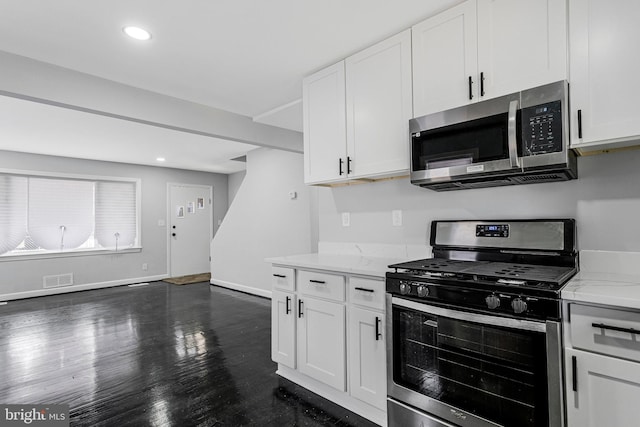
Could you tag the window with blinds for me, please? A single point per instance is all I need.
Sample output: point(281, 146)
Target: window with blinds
point(45, 214)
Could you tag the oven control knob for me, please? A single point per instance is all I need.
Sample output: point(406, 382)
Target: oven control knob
point(405, 288)
point(423, 291)
point(519, 305)
point(492, 301)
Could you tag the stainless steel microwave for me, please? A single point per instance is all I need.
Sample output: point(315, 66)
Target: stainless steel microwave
point(521, 138)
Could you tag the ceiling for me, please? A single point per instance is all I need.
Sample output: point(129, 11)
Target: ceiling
point(243, 56)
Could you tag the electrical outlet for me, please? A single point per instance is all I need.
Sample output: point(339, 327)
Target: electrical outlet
point(396, 218)
point(145, 267)
point(346, 219)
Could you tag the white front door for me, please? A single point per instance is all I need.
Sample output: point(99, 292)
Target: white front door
point(190, 229)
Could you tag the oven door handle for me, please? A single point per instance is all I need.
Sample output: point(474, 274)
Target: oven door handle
point(512, 138)
point(505, 322)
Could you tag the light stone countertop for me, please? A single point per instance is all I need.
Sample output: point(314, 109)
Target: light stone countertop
point(607, 278)
point(349, 264)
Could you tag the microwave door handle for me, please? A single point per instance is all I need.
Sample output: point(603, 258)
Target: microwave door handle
point(512, 138)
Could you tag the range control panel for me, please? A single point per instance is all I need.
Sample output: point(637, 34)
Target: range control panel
point(492, 230)
point(542, 129)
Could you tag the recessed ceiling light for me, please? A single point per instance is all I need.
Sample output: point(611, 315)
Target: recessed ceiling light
point(160, 159)
point(137, 33)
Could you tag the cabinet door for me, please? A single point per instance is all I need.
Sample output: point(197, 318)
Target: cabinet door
point(521, 44)
point(321, 341)
point(604, 70)
point(283, 328)
point(379, 108)
point(367, 357)
point(607, 390)
point(444, 58)
point(324, 123)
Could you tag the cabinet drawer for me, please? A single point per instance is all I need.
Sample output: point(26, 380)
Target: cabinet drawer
point(609, 331)
point(324, 285)
point(367, 292)
point(283, 278)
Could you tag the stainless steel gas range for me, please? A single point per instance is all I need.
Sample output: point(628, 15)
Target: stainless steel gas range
point(474, 332)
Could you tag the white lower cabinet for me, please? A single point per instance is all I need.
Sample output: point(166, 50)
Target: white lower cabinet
point(601, 390)
point(330, 340)
point(321, 342)
point(367, 356)
point(602, 361)
point(283, 328)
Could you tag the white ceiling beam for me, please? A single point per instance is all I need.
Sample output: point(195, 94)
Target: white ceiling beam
point(37, 81)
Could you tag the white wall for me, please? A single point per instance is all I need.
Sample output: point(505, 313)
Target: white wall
point(23, 278)
point(605, 201)
point(235, 181)
point(262, 222)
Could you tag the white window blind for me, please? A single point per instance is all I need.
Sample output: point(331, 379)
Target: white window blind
point(13, 212)
point(115, 214)
point(60, 213)
point(41, 214)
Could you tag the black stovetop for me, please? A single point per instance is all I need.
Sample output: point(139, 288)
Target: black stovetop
point(548, 276)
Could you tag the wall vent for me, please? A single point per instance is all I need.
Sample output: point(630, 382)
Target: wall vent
point(57, 280)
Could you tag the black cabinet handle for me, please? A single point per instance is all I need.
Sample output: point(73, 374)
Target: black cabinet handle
point(616, 328)
point(574, 372)
point(349, 165)
point(288, 306)
point(300, 314)
point(340, 162)
point(579, 123)
point(470, 88)
point(482, 84)
point(364, 290)
point(282, 276)
point(378, 334)
point(173, 234)
point(322, 282)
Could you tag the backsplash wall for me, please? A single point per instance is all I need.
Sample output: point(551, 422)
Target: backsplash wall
point(605, 201)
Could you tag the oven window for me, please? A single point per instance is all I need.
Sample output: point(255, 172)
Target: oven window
point(496, 373)
point(476, 141)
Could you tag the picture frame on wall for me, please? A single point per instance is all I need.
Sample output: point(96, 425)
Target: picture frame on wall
point(200, 202)
point(180, 211)
point(191, 208)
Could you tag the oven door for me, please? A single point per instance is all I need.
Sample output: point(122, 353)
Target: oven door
point(473, 369)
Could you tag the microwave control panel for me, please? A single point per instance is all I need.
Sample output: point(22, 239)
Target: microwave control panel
point(542, 129)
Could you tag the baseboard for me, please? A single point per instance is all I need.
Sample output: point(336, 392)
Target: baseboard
point(242, 288)
point(76, 288)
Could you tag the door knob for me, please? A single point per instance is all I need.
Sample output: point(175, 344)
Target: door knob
point(173, 234)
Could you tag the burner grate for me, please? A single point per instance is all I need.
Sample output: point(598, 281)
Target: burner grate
point(490, 271)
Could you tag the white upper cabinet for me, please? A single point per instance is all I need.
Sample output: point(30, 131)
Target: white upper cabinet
point(483, 49)
point(445, 56)
point(521, 44)
point(356, 115)
point(379, 108)
point(325, 143)
point(604, 70)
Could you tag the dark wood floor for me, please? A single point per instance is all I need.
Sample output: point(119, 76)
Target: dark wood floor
point(157, 355)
